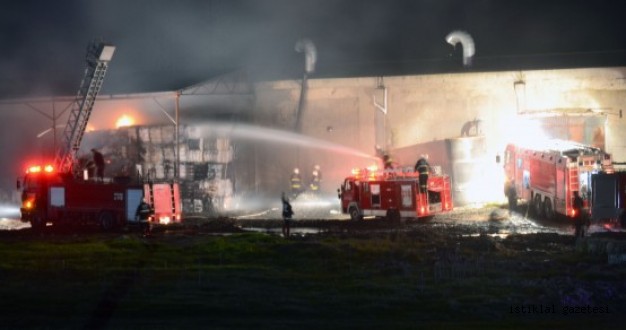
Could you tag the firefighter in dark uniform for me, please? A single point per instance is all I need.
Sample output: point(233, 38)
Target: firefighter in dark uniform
point(579, 216)
point(287, 214)
point(142, 215)
point(511, 194)
point(98, 159)
point(423, 168)
point(387, 162)
point(296, 183)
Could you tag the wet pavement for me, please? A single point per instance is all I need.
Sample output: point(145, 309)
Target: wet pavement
point(9, 218)
point(317, 215)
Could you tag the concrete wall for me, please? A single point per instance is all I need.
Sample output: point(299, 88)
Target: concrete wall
point(436, 107)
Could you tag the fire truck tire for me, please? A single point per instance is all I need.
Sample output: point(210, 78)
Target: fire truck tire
point(355, 215)
point(538, 206)
point(548, 210)
point(37, 222)
point(393, 215)
point(106, 220)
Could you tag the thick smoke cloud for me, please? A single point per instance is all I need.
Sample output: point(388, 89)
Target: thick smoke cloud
point(164, 45)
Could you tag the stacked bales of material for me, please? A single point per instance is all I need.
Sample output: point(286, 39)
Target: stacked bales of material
point(148, 153)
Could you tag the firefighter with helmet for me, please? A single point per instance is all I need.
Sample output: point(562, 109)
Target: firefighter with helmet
point(98, 160)
point(387, 162)
point(423, 168)
point(319, 171)
point(314, 185)
point(580, 219)
point(142, 215)
point(296, 183)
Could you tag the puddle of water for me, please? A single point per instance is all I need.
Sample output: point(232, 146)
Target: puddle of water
point(292, 230)
point(499, 235)
point(12, 224)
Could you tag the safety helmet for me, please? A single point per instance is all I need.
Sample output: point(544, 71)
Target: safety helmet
point(296, 170)
point(317, 167)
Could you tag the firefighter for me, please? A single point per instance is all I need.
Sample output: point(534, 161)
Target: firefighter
point(287, 214)
point(423, 168)
point(579, 216)
point(314, 185)
point(387, 162)
point(98, 159)
point(319, 171)
point(142, 215)
point(296, 183)
point(511, 194)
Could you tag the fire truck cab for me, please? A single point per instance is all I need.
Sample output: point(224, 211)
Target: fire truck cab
point(393, 194)
point(546, 177)
point(608, 198)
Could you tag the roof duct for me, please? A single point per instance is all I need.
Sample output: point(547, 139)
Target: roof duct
point(310, 54)
point(466, 42)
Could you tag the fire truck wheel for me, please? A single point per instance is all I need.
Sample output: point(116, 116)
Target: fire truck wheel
point(538, 206)
point(106, 221)
point(37, 222)
point(355, 215)
point(393, 215)
point(548, 211)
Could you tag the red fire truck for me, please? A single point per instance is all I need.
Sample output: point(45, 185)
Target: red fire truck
point(60, 198)
point(59, 195)
point(393, 194)
point(547, 177)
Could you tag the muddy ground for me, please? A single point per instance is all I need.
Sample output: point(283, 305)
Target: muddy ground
point(471, 268)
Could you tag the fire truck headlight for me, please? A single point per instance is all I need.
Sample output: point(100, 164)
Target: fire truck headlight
point(29, 204)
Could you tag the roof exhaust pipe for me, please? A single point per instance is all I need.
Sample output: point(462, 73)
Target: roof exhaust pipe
point(310, 54)
point(310, 57)
point(466, 42)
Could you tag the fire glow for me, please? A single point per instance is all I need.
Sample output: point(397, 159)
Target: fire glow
point(124, 121)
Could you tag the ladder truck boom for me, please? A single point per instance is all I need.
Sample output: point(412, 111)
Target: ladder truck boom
point(98, 56)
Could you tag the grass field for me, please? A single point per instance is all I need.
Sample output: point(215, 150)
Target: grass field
point(392, 280)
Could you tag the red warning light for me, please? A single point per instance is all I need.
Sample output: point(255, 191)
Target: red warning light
point(34, 169)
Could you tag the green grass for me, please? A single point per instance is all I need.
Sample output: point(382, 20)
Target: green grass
point(252, 279)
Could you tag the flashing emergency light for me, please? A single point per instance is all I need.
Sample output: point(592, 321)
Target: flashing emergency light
point(573, 213)
point(28, 204)
point(39, 169)
point(34, 169)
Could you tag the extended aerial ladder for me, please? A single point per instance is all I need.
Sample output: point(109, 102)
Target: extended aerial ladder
point(98, 56)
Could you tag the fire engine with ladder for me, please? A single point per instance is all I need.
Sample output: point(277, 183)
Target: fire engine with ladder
point(61, 195)
point(546, 177)
point(394, 194)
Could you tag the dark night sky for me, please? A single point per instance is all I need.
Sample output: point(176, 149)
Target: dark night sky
point(166, 45)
